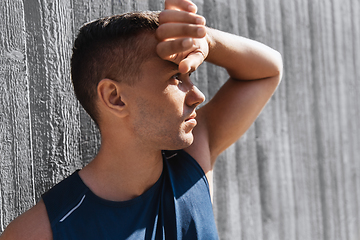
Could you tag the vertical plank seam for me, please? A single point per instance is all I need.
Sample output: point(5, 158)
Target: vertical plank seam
point(29, 114)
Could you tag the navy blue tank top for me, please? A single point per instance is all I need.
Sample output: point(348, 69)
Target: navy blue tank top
point(177, 206)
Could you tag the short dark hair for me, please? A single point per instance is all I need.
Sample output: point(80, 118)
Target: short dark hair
point(112, 48)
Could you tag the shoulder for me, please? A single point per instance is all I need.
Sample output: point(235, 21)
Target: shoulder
point(62, 197)
point(31, 225)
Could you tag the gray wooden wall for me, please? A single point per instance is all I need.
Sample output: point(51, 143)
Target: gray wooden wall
point(294, 175)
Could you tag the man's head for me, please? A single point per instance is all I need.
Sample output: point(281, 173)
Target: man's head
point(111, 48)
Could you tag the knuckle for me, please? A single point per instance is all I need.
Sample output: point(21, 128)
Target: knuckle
point(177, 46)
point(158, 50)
point(187, 29)
point(163, 16)
point(160, 32)
point(194, 30)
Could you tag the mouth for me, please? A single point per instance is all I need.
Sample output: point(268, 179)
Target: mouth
point(191, 117)
point(191, 121)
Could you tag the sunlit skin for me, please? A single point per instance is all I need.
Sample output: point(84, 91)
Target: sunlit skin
point(164, 103)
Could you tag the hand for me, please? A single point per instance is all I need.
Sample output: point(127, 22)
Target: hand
point(182, 35)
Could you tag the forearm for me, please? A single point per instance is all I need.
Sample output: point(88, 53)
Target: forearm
point(244, 59)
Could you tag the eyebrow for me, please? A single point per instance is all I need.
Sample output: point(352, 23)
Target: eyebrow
point(174, 67)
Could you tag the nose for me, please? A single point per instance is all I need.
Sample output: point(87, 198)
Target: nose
point(194, 97)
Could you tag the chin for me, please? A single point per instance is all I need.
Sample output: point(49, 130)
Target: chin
point(180, 143)
point(187, 141)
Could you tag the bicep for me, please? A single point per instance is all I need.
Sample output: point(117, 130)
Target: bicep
point(227, 116)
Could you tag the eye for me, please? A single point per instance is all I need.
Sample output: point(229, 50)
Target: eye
point(177, 77)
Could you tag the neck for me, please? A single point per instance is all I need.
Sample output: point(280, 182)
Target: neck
point(122, 171)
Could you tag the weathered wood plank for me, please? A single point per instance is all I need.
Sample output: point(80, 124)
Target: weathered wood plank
point(263, 132)
point(351, 185)
point(248, 181)
point(322, 84)
point(156, 5)
point(355, 6)
point(283, 196)
point(64, 112)
point(297, 58)
point(38, 97)
point(270, 126)
point(55, 116)
point(122, 6)
point(16, 160)
point(245, 160)
point(343, 77)
point(349, 101)
point(140, 5)
point(263, 143)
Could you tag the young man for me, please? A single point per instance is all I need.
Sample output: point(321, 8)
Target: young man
point(131, 74)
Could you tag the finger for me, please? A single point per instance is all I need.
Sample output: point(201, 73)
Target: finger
point(191, 62)
point(167, 49)
point(182, 5)
point(178, 30)
point(168, 16)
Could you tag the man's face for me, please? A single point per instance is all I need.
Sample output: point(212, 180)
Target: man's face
point(163, 105)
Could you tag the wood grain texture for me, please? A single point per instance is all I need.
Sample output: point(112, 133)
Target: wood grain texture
point(16, 159)
point(294, 175)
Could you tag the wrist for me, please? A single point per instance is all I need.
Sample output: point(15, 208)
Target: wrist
point(210, 39)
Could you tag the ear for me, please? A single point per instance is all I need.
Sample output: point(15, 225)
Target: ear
point(110, 96)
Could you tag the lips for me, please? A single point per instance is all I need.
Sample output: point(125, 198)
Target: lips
point(192, 116)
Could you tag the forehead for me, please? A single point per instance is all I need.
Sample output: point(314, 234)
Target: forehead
point(157, 65)
point(153, 65)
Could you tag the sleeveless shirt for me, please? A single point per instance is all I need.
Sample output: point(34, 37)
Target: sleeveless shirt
point(177, 206)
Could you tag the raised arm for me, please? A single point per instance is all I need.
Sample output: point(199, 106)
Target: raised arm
point(244, 59)
point(254, 73)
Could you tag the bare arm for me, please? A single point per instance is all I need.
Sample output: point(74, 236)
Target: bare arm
point(243, 58)
point(31, 225)
point(255, 71)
